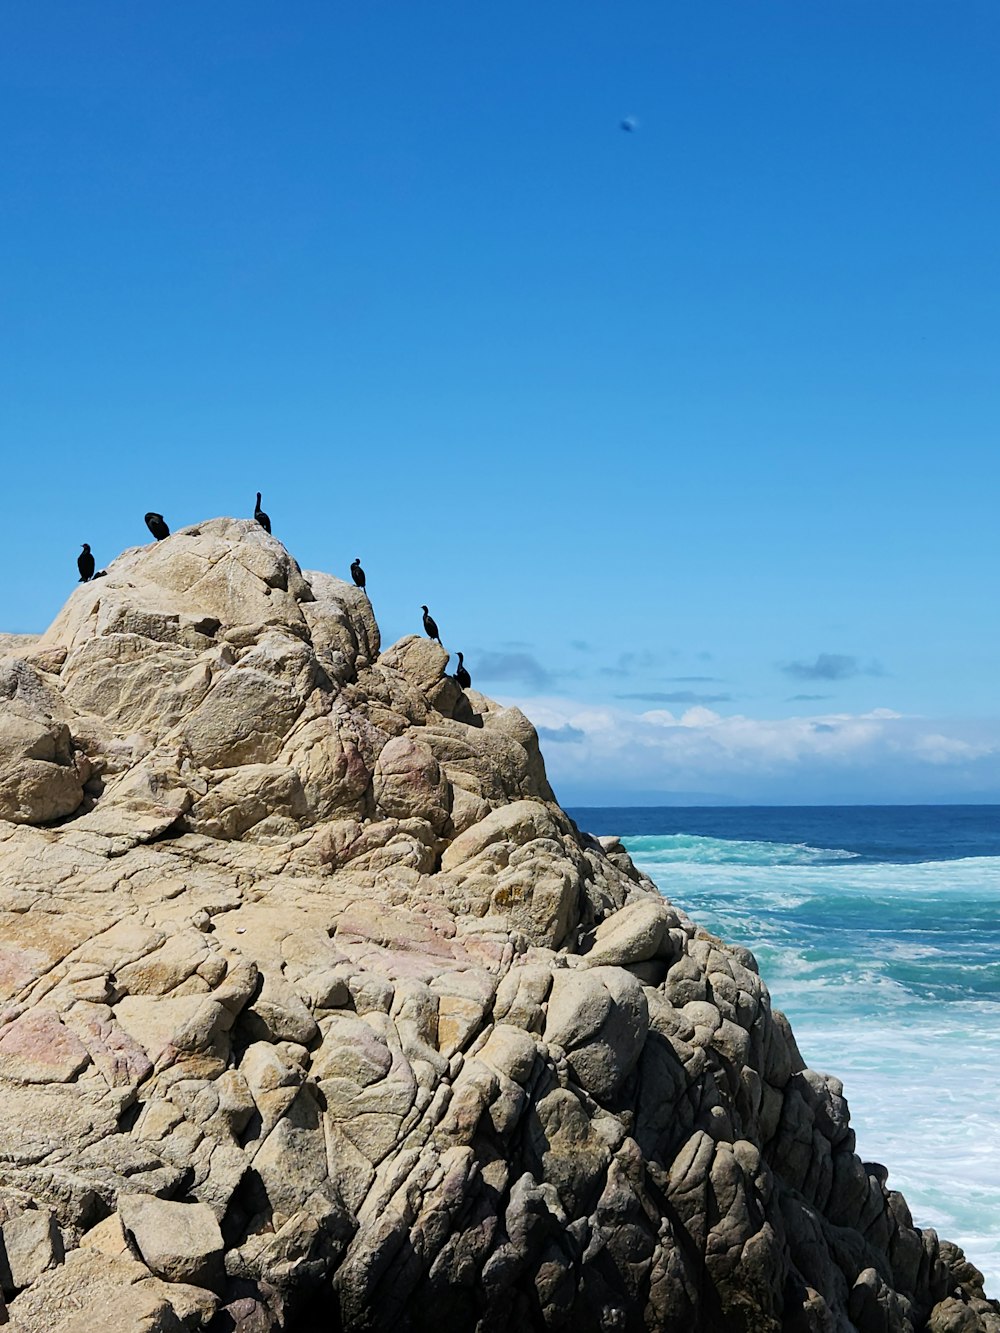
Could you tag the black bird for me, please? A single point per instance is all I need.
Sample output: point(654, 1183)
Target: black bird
point(157, 526)
point(430, 625)
point(261, 517)
point(86, 564)
point(461, 674)
point(357, 573)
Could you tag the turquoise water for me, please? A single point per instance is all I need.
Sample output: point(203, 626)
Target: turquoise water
point(889, 970)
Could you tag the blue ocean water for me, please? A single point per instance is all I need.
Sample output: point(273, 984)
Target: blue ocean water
point(877, 930)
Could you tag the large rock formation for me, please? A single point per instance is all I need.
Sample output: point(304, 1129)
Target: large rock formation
point(319, 1013)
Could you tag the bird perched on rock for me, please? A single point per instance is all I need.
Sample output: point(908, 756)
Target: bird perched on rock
point(461, 674)
point(260, 516)
point(357, 573)
point(430, 625)
point(157, 526)
point(86, 564)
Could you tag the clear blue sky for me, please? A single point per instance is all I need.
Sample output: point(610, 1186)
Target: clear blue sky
point(702, 416)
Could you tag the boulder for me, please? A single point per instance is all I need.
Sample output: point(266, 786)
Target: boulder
point(40, 780)
point(640, 931)
point(408, 783)
point(516, 824)
point(421, 662)
point(32, 1245)
point(600, 1018)
point(115, 1294)
point(38, 1048)
point(179, 1242)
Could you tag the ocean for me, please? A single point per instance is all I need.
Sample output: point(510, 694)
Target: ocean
point(877, 930)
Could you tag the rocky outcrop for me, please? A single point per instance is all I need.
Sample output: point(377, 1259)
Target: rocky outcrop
point(319, 1013)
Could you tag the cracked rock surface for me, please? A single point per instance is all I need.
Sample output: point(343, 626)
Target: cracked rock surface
point(318, 1013)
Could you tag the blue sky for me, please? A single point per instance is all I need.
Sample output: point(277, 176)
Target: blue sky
point(688, 436)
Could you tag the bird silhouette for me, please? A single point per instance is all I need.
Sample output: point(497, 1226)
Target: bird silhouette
point(462, 674)
point(357, 573)
point(86, 564)
point(157, 526)
point(260, 516)
point(430, 625)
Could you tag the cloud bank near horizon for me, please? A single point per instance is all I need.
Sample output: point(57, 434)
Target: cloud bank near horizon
point(603, 752)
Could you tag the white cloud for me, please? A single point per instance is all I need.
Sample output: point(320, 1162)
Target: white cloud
point(877, 755)
point(938, 749)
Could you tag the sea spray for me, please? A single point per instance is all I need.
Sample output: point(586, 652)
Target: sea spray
point(890, 974)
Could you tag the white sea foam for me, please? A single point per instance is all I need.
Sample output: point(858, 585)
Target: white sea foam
point(685, 847)
point(923, 1101)
point(890, 975)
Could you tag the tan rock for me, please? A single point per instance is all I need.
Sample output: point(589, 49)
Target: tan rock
point(250, 708)
point(633, 935)
point(327, 756)
point(39, 779)
point(225, 572)
point(38, 1048)
point(135, 683)
point(193, 1306)
point(279, 1013)
point(351, 1049)
point(257, 800)
point(107, 1237)
point(600, 1018)
point(518, 823)
point(521, 995)
point(18, 645)
point(137, 1309)
point(510, 1051)
point(341, 621)
point(94, 1291)
point(466, 809)
point(408, 782)
point(179, 1242)
point(292, 1161)
point(420, 661)
point(32, 1245)
point(189, 1022)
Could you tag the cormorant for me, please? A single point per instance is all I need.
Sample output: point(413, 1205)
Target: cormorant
point(357, 573)
point(261, 517)
point(86, 564)
point(157, 526)
point(430, 625)
point(461, 674)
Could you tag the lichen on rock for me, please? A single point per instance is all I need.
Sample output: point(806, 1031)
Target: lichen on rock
point(319, 1012)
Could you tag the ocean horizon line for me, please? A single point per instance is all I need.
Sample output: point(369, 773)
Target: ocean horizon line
point(782, 805)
